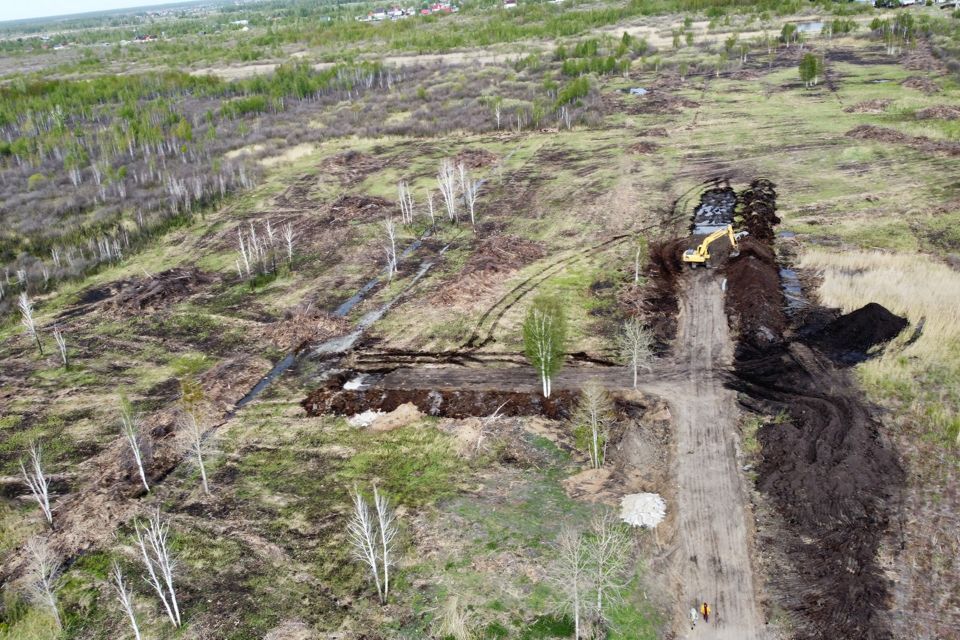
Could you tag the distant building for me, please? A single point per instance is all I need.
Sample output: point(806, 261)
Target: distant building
point(509, 4)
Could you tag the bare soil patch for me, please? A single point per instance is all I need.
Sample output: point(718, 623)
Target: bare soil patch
point(360, 208)
point(476, 158)
point(161, 290)
point(660, 101)
point(350, 167)
point(643, 147)
point(921, 58)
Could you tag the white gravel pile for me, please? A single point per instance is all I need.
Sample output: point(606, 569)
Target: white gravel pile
point(643, 509)
point(355, 383)
point(365, 419)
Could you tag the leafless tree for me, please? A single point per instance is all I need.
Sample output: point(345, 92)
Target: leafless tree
point(608, 555)
point(37, 481)
point(470, 190)
point(571, 574)
point(391, 247)
point(447, 179)
point(61, 345)
point(387, 528)
point(636, 346)
point(191, 421)
point(131, 430)
point(159, 562)
point(363, 538)
point(405, 201)
point(288, 236)
point(594, 414)
point(244, 252)
point(26, 318)
point(125, 597)
point(497, 113)
point(43, 577)
point(430, 212)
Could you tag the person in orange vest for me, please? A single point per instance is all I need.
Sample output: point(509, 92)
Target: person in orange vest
point(705, 611)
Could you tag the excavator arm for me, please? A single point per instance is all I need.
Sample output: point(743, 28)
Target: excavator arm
point(701, 254)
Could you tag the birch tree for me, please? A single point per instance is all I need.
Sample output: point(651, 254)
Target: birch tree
point(636, 347)
point(43, 577)
point(27, 320)
point(390, 248)
point(470, 190)
point(191, 408)
point(387, 528)
point(592, 418)
point(544, 335)
point(430, 210)
point(61, 346)
point(608, 555)
point(159, 562)
point(571, 575)
point(36, 480)
point(125, 598)
point(447, 179)
point(371, 534)
point(363, 538)
point(405, 200)
point(131, 429)
point(288, 236)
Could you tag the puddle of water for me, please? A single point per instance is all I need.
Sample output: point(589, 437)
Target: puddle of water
point(792, 290)
point(786, 234)
point(879, 81)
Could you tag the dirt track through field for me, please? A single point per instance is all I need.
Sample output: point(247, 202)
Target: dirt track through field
point(713, 560)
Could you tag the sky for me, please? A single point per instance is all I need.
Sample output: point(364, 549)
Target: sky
point(15, 10)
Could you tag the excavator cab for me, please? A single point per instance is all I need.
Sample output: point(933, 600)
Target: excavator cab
point(701, 255)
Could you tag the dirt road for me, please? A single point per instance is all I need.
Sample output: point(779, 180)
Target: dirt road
point(713, 549)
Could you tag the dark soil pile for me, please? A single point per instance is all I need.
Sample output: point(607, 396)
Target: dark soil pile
point(503, 253)
point(848, 338)
point(754, 300)
point(921, 83)
point(476, 158)
point(447, 403)
point(161, 290)
point(921, 58)
point(869, 106)
point(826, 468)
point(833, 482)
point(361, 208)
point(657, 302)
point(923, 143)
point(757, 208)
point(938, 112)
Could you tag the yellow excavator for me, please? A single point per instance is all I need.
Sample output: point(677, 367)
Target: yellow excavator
point(701, 255)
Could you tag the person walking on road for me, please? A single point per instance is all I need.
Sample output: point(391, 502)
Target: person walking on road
point(693, 618)
point(705, 611)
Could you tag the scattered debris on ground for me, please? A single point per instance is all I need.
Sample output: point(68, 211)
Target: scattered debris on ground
point(658, 101)
point(921, 58)
point(150, 292)
point(921, 83)
point(503, 253)
point(938, 112)
point(643, 147)
point(365, 418)
point(353, 208)
point(304, 324)
point(876, 105)
point(643, 509)
point(476, 158)
point(353, 166)
point(885, 134)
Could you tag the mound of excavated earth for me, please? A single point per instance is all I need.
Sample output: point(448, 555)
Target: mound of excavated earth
point(849, 337)
point(643, 509)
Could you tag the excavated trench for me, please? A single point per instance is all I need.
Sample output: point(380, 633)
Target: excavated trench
point(827, 469)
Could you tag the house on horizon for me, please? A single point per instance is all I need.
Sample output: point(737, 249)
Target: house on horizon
point(509, 4)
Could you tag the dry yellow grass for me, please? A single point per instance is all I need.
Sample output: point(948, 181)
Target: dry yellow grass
point(924, 375)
